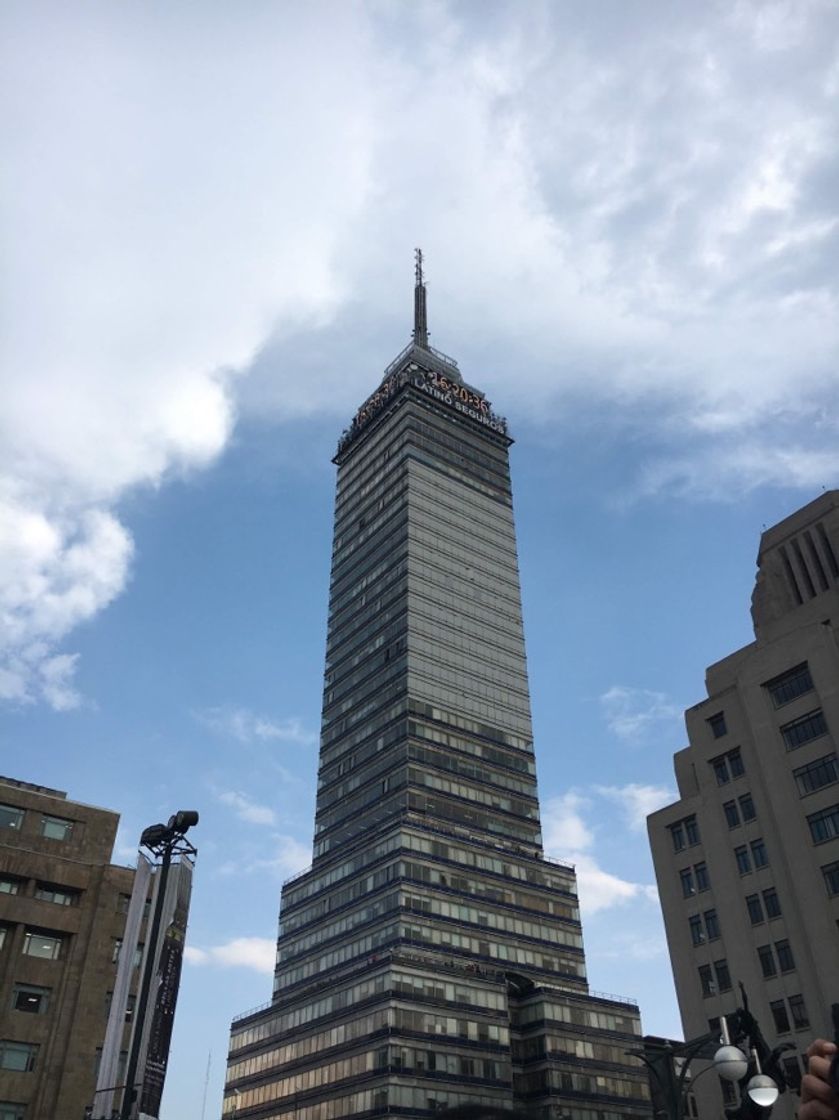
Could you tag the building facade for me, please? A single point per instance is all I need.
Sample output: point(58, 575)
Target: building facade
point(431, 955)
point(747, 860)
point(62, 915)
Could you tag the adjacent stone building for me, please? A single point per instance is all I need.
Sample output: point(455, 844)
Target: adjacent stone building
point(62, 913)
point(432, 955)
point(747, 860)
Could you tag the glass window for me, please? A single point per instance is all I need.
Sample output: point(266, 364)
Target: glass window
point(686, 878)
point(717, 725)
point(759, 856)
point(824, 825)
point(798, 1011)
point(802, 730)
point(755, 909)
point(677, 834)
point(28, 997)
point(697, 934)
point(10, 1111)
point(9, 885)
point(816, 775)
point(747, 807)
point(744, 864)
point(792, 1073)
point(18, 1056)
point(779, 1014)
point(767, 960)
point(831, 877)
point(43, 945)
point(706, 980)
point(722, 974)
point(700, 870)
point(732, 817)
point(720, 768)
point(772, 903)
point(735, 763)
point(56, 828)
point(61, 896)
point(795, 682)
point(11, 816)
point(712, 925)
point(786, 963)
point(691, 830)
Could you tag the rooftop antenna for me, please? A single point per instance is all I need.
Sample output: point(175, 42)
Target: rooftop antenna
point(420, 313)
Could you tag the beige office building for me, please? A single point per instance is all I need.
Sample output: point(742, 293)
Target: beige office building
point(62, 914)
point(747, 860)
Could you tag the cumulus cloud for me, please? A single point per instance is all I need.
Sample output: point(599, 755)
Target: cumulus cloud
point(633, 714)
point(246, 726)
point(633, 207)
point(283, 856)
point(248, 810)
point(637, 801)
point(257, 953)
point(567, 836)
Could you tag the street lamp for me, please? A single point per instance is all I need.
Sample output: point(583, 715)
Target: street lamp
point(163, 841)
point(729, 1061)
point(761, 1088)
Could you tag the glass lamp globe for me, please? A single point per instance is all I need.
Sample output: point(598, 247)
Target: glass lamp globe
point(730, 1063)
point(762, 1090)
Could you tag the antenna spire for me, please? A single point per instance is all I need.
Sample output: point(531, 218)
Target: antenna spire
point(420, 312)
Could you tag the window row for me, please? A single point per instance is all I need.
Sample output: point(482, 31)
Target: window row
point(406, 1099)
point(296, 1049)
point(549, 1011)
point(53, 828)
point(44, 892)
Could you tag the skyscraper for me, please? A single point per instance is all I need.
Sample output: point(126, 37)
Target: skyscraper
point(431, 955)
point(747, 860)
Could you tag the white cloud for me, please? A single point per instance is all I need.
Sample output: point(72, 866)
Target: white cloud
point(636, 206)
point(248, 810)
point(247, 727)
point(634, 714)
point(568, 837)
point(282, 857)
point(637, 801)
point(289, 857)
point(56, 571)
point(257, 953)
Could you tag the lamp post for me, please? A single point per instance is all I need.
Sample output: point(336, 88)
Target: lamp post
point(670, 1066)
point(163, 841)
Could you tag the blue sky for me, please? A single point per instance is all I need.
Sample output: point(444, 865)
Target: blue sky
point(629, 217)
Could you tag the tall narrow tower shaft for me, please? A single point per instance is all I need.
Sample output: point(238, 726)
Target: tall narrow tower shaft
point(431, 955)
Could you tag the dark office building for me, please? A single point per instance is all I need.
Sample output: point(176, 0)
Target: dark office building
point(432, 955)
point(62, 917)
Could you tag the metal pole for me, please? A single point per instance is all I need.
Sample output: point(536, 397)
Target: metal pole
point(130, 1092)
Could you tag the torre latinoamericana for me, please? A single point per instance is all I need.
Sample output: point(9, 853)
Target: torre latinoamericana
point(432, 955)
